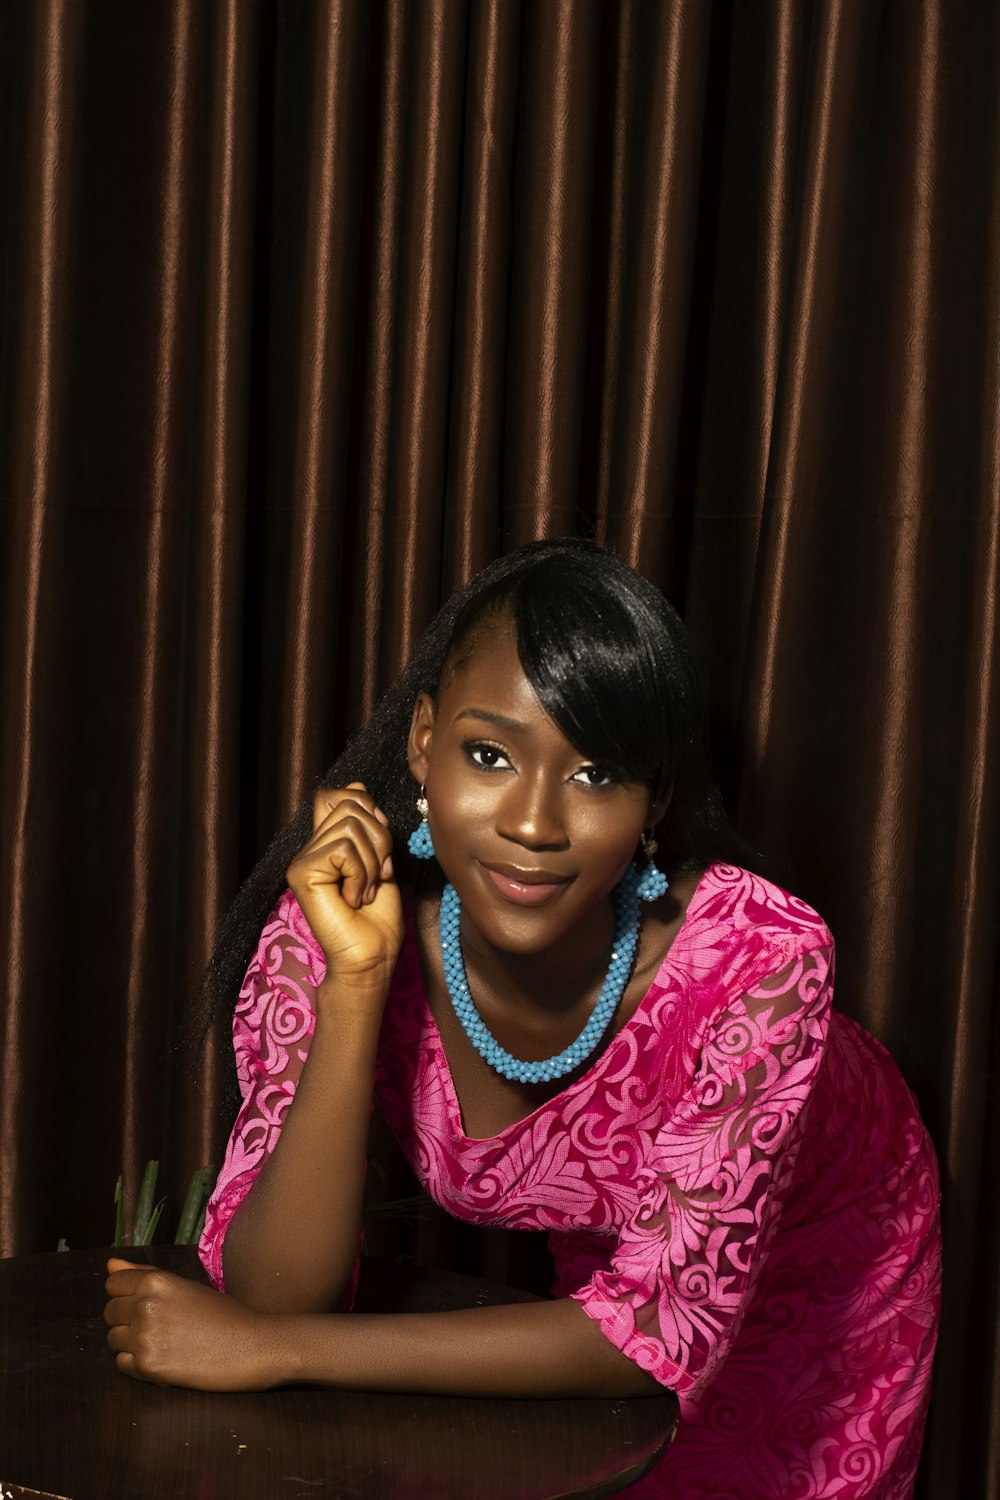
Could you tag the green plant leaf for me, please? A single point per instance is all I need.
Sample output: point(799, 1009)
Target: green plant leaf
point(199, 1228)
point(193, 1212)
point(144, 1207)
point(149, 1228)
point(62, 1245)
point(119, 1238)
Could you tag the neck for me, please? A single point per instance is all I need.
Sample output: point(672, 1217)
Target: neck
point(554, 979)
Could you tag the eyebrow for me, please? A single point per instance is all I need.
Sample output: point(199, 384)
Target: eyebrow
point(513, 726)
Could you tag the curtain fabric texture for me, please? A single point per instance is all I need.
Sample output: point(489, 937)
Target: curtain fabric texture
point(309, 311)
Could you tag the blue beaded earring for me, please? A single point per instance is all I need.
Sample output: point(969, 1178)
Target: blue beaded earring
point(419, 843)
point(652, 883)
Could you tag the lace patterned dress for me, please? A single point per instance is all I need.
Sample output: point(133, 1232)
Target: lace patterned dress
point(739, 1190)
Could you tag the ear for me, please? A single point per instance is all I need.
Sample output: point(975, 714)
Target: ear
point(418, 746)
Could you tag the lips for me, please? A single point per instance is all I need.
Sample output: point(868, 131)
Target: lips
point(524, 887)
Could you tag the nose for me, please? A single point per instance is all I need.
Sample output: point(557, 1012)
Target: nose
point(531, 814)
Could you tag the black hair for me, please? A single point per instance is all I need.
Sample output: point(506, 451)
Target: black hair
point(609, 661)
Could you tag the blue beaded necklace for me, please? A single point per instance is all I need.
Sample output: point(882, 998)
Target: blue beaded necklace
point(623, 948)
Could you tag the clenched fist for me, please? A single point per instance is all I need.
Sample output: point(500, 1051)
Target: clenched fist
point(343, 881)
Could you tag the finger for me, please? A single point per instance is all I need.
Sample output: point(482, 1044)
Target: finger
point(341, 806)
point(353, 847)
point(360, 786)
point(124, 1283)
point(373, 839)
point(339, 863)
point(324, 803)
point(348, 859)
point(129, 1364)
point(115, 1263)
point(328, 798)
point(348, 818)
point(125, 1362)
point(118, 1311)
point(120, 1339)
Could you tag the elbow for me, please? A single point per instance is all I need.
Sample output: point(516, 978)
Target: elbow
point(266, 1278)
point(280, 1290)
point(628, 1380)
point(614, 1375)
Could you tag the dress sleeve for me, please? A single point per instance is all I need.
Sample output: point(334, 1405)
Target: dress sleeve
point(685, 1265)
point(272, 1030)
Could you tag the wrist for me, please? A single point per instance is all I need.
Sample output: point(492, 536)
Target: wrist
point(347, 992)
point(308, 1348)
point(287, 1364)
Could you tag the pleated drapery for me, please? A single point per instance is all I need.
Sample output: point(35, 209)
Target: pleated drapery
point(308, 311)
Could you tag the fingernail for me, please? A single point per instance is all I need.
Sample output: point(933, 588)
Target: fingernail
point(387, 867)
point(370, 893)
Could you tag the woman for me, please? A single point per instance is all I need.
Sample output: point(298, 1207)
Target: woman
point(741, 1198)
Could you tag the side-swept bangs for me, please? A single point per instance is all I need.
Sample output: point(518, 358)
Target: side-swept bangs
point(605, 654)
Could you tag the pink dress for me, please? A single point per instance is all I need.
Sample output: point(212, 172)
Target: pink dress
point(739, 1191)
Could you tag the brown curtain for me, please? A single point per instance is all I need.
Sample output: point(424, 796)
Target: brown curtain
point(309, 310)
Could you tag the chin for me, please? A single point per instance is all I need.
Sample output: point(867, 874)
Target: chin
point(527, 927)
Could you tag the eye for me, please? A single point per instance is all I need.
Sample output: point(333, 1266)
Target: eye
point(593, 776)
point(486, 756)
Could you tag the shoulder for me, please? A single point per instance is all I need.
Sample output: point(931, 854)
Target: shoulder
point(765, 983)
point(739, 931)
point(750, 907)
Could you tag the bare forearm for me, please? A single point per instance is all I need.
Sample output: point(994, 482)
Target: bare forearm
point(534, 1349)
point(292, 1244)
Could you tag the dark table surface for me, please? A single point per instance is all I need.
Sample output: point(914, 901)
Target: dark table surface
point(72, 1426)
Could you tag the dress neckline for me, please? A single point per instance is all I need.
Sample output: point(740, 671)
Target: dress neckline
point(698, 896)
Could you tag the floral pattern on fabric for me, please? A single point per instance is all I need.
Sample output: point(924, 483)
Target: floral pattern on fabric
point(739, 1191)
point(272, 1029)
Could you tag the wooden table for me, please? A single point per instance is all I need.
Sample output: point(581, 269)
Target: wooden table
point(71, 1426)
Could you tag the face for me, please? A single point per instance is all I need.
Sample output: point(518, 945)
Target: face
point(533, 836)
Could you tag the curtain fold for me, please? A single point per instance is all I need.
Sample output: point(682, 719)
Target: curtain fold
point(477, 398)
point(319, 140)
point(653, 201)
point(41, 161)
point(308, 312)
point(206, 750)
point(151, 565)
